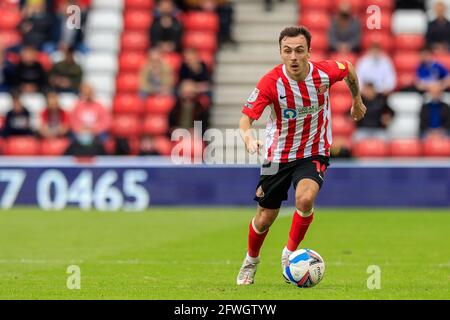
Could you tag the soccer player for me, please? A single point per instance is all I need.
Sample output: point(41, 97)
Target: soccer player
point(297, 147)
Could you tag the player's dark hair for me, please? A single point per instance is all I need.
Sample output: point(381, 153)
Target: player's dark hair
point(294, 32)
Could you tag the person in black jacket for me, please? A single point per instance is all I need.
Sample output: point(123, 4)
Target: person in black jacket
point(435, 114)
point(438, 31)
point(166, 30)
point(17, 120)
point(29, 75)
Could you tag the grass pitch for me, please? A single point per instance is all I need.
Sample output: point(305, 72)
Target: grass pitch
point(195, 253)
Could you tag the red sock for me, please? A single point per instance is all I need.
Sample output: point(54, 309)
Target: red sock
point(298, 230)
point(255, 241)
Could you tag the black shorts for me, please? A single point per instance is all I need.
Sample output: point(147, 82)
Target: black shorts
point(273, 188)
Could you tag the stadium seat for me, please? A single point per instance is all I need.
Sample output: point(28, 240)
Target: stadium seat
point(200, 40)
point(358, 7)
point(128, 82)
point(386, 6)
point(103, 84)
point(67, 100)
point(10, 19)
point(10, 38)
point(407, 61)
point(320, 41)
point(347, 56)
point(5, 102)
point(409, 42)
point(315, 20)
point(368, 148)
point(409, 21)
point(201, 21)
point(138, 20)
point(404, 125)
point(339, 87)
point(405, 102)
point(128, 103)
point(54, 147)
point(126, 125)
point(341, 102)
point(208, 58)
point(45, 61)
point(135, 40)
point(318, 55)
point(163, 145)
point(406, 79)
point(107, 20)
point(443, 58)
point(21, 146)
point(406, 147)
point(384, 39)
point(103, 41)
point(34, 102)
point(436, 147)
point(101, 62)
point(174, 60)
point(155, 125)
point(307, 5)
point(108, 4)
point(161, 104)
point(132, 61)
point(342, 125)
point(139, 4)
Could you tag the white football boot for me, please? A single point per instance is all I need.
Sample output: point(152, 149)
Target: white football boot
point(285, 261)
point(247, 273)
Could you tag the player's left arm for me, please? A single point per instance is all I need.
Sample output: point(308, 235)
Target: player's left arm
point(358, 108)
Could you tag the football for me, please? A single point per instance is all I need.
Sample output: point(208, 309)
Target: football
point(306, 268)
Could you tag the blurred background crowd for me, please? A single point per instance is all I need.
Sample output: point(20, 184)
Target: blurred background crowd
point(136, 70)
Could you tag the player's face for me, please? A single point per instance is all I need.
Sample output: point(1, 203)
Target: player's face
point(295, 54)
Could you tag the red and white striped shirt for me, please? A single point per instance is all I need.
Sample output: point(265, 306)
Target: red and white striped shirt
point(300, 122)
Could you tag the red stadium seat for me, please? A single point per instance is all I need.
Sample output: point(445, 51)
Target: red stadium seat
point(358, 6)
point(54, 146)
point(200, 40)
point(307, 5)
point(128, 103)
point(2, 122)
point(407, 61)
point(163, 145)
point(9, 38)
point(174, 60)
point(384, 39)
point(406, 148)
point(201, 21)
point(339, 87)
point(443, 58)
point(128, 82)
point(10, 19)
point(161, 104)
point(407, 42)
point(342, 125)
point(45, 61)
point(319, 41)
point(155, 125)
point(135, 40)
point(209, 58)
point(318, 55)
point(139, 4)
point(406, 79)
point(138, 20)
point(22, 146)
point(341, 102)
point(386, 6)
point(342, 57)
point(315, 20)
point(132, 61)
point(126, 126)
point(436, 147)
point(370, 148)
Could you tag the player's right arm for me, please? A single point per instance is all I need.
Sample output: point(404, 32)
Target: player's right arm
point(252, 110)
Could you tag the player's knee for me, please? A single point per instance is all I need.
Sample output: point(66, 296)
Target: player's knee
point(264, 220)
point(304, 202)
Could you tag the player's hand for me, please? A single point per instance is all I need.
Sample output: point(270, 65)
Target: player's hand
point(358, 110)
point(254, 146)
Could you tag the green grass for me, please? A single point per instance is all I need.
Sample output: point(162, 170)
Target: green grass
point(196, 253)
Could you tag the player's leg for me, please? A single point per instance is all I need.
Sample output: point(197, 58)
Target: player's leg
point(258, 229)
point(307, 179)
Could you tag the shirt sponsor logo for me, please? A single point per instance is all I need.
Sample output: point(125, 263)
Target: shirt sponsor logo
point(310, 110)
point(289, 113)
point(322, 89)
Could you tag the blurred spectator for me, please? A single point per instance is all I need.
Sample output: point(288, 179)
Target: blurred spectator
point(66, 75)
point(36, 24)
point(29, 75)
point(54, 120)
point(156, 77)
point(147, 146)
point(435, 114)
point(376, 67)
point(166, 30)
point(268, 5)
point(378, 115)
point(224, 10)
point(410, 4)
point(430, 71)
point(3, 84)
point(193, 68)
point(85, 144)
point(191, 106)
point(121, 146)
point(90, 116)
point(344, 34)
point(17, 120)
point(438, 32)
